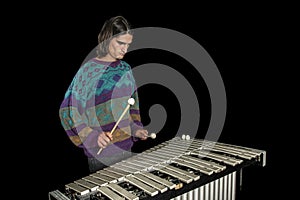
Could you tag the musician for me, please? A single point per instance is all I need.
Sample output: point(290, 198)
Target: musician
point(97, 96)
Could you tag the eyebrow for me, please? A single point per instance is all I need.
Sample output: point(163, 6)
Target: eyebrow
point(120, 42)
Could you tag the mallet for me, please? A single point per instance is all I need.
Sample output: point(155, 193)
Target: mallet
point(130, 101)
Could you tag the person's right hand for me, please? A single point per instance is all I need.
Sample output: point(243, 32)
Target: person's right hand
point(104, 139)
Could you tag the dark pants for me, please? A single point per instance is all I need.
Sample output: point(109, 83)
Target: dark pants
point(96, 164)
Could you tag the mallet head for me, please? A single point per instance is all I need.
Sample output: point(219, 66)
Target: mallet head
point(131, 101)
point(153, 135)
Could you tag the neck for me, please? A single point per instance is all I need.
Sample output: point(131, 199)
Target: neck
point(106, 59)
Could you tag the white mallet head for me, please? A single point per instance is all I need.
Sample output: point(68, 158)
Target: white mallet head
point(187, 137)
point(131, 101)
point(183, 137)
point(153, 135)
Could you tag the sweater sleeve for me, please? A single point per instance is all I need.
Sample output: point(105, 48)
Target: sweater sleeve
point(135, 117)
point(72, 112)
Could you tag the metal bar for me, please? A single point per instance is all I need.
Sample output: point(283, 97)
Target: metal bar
point(77, 188)
point(109, 193)
point(181, 177)
point(165, 182)
point(92, 187)
point(122, 191)
point(149, 190)
point(156, 185)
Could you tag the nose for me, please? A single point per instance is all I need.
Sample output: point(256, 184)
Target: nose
point(124, 48)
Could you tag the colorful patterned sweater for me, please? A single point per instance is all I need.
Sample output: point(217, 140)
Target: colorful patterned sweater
point(94, 102)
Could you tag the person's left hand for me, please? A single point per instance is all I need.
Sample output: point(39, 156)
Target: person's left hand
point(142, 134)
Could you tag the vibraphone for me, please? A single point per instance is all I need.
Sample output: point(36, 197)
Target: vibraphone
point(176, 169)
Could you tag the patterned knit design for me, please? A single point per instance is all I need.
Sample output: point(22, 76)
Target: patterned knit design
point(94, 102)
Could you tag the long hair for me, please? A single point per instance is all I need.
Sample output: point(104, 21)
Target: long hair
point(111, 28)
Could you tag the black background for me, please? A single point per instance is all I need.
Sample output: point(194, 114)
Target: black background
point(59, 38)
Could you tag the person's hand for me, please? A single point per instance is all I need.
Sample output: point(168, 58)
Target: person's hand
point(104, 139)
point(142, 134)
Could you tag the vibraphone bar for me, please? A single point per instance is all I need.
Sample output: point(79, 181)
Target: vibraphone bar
point(177, 169)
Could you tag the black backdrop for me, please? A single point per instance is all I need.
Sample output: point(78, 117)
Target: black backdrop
point(61, 37)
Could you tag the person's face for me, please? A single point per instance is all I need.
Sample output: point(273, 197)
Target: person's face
point(118, 46)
